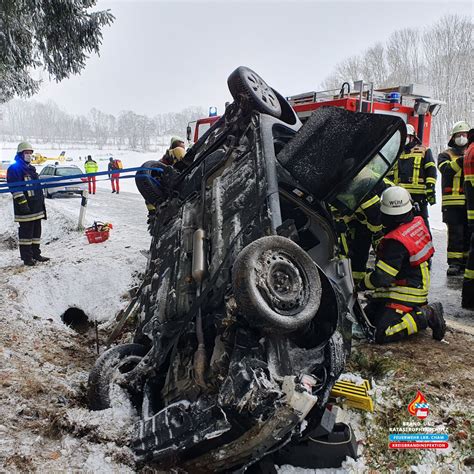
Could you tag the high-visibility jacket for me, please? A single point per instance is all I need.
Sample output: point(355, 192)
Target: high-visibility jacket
point(415, 171)
point(469, 183)
point(32, 195)
point(450, 164)
point(401, 272)
point(91, 166)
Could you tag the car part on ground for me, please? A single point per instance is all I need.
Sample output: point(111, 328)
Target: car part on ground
point(247, 310)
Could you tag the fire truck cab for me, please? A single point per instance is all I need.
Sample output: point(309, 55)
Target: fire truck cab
point(412, 103)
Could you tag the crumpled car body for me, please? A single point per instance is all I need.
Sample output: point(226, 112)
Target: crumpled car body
point(248, 309)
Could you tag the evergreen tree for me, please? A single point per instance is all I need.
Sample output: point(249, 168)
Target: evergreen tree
point(56, 35)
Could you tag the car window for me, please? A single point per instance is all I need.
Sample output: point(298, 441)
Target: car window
point(67, 171)
point(365, 181)
point(47, 171)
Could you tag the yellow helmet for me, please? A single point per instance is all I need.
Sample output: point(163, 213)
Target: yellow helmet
point(177, 153)
point(24, 146)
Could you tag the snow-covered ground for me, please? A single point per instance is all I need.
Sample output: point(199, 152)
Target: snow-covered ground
point(44, 365)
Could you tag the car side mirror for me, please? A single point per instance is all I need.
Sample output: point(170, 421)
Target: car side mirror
point(188, 133)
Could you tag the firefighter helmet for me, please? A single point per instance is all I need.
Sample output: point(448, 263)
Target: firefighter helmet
point(178, 153)
point(395, 201)
point(458, 127)
point(24, 146)
point(174, 142)
point(411, 129)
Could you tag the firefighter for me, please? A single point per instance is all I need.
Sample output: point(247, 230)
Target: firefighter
point(175, 153)
point(91, 166)
point(28, 205)
point(361, 230)
point(401, 278)
point(415, 171)
point(450, 164)
point(468, 283)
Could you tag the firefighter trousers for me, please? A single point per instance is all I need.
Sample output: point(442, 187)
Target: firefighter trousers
point(394, 321)
point(468, 283)
point(29, 234)
point(458, 243)
point(115, 182)
point(359, 240)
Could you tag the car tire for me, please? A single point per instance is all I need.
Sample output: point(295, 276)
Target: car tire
point(117, 360)
point(146, 186)
point(251, 92)
point(276, 285)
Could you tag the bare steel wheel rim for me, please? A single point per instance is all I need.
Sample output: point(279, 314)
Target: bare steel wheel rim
point(282, 283)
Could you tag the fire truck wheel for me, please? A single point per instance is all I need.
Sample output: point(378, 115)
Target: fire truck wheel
point(147, 186)
point(250, 91)
point(276, 285)
point(104, 376)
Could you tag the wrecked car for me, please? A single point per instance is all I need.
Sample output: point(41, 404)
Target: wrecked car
point(246, 314)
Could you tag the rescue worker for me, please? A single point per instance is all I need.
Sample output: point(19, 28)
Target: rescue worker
point(28, 205)
point(468, 283)
point(91, 166)
point(450, 164)
point(401, 278)
point(363, 229)
point(175, 153)
point(415, 171)
point(113, 175)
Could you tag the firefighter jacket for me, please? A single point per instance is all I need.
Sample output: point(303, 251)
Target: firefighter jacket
point(450, 164)
point(91, 166)
point(28, 203)
point(401, 273)
point(415, 171)
point(469, 183)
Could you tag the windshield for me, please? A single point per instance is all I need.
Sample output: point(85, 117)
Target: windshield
point(67, 171)
point(354, 191)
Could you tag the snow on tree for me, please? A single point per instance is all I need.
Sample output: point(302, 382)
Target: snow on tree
point(56, 35)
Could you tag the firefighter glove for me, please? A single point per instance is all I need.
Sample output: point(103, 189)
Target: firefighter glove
point(431, 196)
point(23, 207)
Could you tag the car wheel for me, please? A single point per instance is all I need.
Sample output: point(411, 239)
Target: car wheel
point(276, 284)
point(147, 186)
point(106, 371)
point(249, 90)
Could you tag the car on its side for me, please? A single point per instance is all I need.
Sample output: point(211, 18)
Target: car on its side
point(67, 186)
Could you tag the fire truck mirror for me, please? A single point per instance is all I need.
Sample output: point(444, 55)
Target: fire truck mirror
point(188, 133)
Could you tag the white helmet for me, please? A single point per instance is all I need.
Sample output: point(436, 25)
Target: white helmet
point(461, 126)
point(395, 201)
point(411, 129)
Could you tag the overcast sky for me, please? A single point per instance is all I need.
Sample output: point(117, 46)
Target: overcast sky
point(161, 56)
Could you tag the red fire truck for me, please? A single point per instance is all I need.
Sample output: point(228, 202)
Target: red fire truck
point(412, 103)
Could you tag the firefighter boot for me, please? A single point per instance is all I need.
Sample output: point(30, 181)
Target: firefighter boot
point(434, 316)
point(40, 258)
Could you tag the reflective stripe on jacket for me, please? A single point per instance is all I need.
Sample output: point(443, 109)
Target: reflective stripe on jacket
point(415, 170)
point(450, 166)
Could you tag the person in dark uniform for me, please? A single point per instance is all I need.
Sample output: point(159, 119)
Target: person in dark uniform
point(28, 204)
point(415, 171)
point(400, 281)
point(450, 164)
point(468, 283)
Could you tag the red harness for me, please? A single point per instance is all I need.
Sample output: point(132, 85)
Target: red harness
point(414, 236)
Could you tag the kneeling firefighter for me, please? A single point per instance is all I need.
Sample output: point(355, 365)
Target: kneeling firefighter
point(401, 278)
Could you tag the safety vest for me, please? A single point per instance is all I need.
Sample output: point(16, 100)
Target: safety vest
point(452, 188)
point(91, 166)
point(414, 181)
point(414, 236)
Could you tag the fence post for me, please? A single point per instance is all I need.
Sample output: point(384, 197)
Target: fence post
point(82, 212)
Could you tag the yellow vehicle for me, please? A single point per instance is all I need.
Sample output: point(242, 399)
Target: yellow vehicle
point(39, 159)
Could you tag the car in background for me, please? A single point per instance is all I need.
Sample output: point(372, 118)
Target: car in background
point(72, 186)
point(4, 164)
